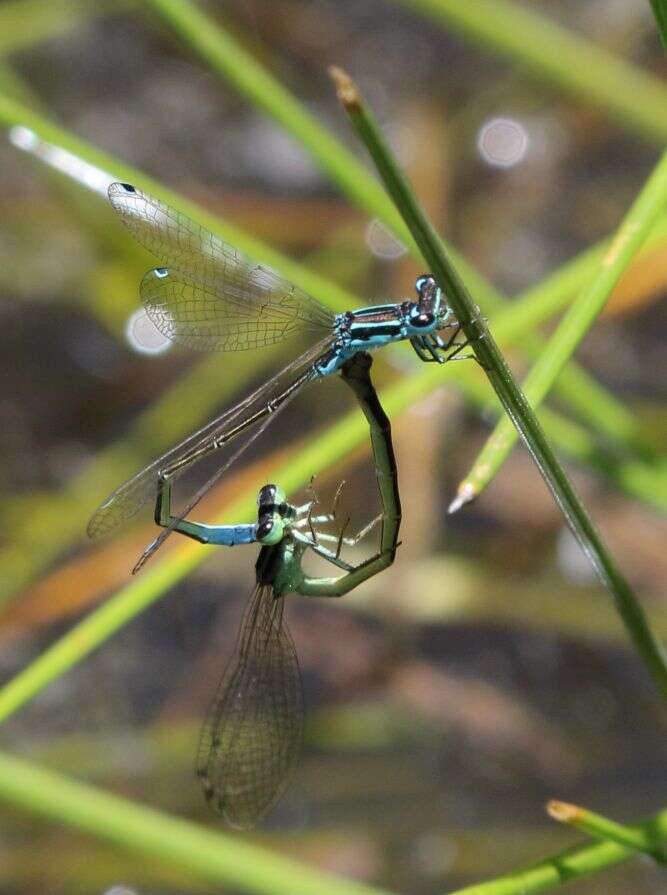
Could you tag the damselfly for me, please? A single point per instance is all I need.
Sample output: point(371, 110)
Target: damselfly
point(251, 739)
point(211, 297)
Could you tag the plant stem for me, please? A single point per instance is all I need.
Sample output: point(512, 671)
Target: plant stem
point(230, 861)
point(216, 857)
point(489, 356)
point(228, 58)
point(634, 98)
point(24, 23)
point(660, 13)
point(643, 481)
point(574, 326)
point(572, 864)
point(599, 827)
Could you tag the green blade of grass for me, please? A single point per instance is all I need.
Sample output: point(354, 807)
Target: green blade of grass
point(489, 356)
point(660, 13)
point(635, 99)
point(227, 860)
point(639, 839)
point(225, 55)
point(24, 23)
point(228, 58)
point(572, 864)
point(214, 856)
point(643, 481)
point(574, 326)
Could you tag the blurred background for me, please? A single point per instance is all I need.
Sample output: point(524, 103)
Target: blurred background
point(487, 671)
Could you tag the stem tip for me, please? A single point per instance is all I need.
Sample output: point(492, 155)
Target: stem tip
point(466, 495)
point(346, 89)
point(563, 811)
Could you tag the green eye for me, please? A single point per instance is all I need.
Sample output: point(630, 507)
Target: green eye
point(271, 531)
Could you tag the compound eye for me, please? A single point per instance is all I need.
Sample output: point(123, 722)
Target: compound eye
point(267, 494)
point(270, 529)
point(264, 528)
point(421, 318)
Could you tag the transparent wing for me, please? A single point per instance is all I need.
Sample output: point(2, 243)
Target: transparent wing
point(206, 284)
point(123, 503)
point(252, 736)
point(216, 315)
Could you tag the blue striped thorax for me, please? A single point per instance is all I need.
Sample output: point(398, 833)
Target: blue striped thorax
point(378, 325)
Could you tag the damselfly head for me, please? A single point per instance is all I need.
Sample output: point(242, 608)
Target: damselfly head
point(274, 513)
point(431, 300)
point(423, 313)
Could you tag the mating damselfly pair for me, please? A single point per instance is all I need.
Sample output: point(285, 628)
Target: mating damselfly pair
point(210, 297)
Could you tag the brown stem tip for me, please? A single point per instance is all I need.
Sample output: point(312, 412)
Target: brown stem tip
point(346, 89)
point(563, 811)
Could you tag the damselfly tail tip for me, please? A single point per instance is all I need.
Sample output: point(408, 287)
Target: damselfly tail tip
point(465, 496)
point(138, 566)
point(145, 556)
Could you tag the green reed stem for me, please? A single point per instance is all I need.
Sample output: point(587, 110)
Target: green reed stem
point(638, 479)
point(219, 858)
point(558, 57)
point(640, 839)
point(489, 356)
point(229, 861)
point(574, 326)
point(660, 13)
point(24, 23)
point(572, 864)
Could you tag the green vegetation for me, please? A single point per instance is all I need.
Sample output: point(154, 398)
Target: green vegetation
point(605, 435)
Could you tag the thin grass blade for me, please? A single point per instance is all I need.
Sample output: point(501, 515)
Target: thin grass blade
point(483, 344)
point(574, 326)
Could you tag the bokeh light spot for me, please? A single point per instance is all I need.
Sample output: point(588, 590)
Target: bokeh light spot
point(502, 142)
point(382, 243)
point(143, 336)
